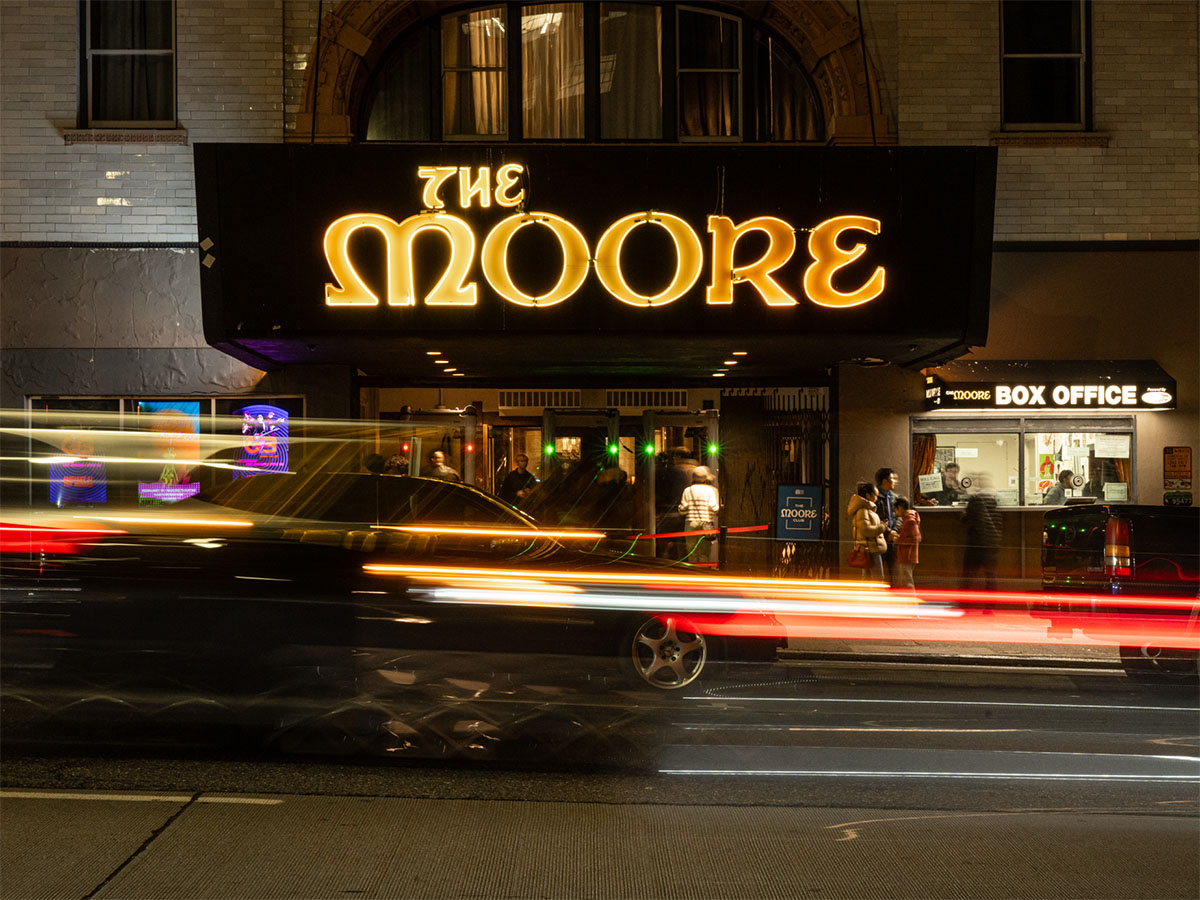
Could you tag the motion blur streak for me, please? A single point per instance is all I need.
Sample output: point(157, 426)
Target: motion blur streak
point(493, 532)
point(41, 539)
point(1098, 601)
point(137, 460)
point(823, 610)
point(160, 520)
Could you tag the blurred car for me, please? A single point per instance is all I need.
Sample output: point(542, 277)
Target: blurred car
point(1126, 551)
point(282, 591)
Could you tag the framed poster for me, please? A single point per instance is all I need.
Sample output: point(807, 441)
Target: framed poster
point(798, 512)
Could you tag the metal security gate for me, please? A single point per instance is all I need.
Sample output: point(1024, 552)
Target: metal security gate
point(777, 436)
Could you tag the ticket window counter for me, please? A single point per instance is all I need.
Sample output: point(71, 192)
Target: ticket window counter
point(1029, 463)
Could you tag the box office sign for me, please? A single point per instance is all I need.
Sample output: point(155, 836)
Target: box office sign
point(1101, 393)
point(392, 240)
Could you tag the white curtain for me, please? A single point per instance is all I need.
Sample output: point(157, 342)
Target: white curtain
point(473, 73)
point(630, 71)
point(552, 69)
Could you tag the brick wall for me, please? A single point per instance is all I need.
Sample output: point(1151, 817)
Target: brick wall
point(230, 87)
point(1143, 186)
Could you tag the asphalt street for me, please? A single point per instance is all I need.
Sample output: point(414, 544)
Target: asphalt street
point(841, 777)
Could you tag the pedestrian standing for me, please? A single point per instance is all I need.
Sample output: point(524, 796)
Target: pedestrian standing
point(868, 529)
point(982, 521)
point(907, 543)
point(885, 506)
point(700, 504)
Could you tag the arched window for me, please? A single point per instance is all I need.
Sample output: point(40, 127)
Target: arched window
point(590, 72)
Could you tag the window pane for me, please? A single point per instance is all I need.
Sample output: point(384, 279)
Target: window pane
point(552, 70)
point(1063, 465)
point(708, 105)
point(707, 41)
point(473, 103)
point(630, 71)
point(1042, 91)
point(133, 89)
point(473, 40)
point(1042, 26)
point(473, 100)
point(131, 24)
point(966, 464)
point(785, 106)
point(399, 109)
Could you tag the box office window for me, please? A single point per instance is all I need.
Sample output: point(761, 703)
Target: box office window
point(1025, 461)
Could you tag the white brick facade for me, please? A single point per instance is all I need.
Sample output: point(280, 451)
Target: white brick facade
point(230, 87)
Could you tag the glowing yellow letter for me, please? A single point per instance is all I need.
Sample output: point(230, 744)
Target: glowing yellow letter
point(495, 259)
point(829, 257)
point(399, 238)
point(353, 291)
point(506, 180)
point(724, 273)
point(451, 289)
point(688, 252)
point(434, 176)
point(482, 187)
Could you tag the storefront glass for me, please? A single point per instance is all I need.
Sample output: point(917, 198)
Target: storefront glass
point(1025, 462)
point(1080, 463)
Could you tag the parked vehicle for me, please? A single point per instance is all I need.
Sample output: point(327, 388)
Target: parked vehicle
point(1139, 552)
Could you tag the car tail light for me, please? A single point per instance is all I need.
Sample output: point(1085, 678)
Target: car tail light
point(1117, 558)
point(42, 540)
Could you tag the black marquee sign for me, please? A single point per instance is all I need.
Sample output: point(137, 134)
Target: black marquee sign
point(580, 261)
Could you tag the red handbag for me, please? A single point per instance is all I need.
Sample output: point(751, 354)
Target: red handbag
point(859, 558)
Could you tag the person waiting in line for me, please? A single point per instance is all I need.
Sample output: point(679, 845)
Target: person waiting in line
point(700, 505)
point(983, 526)
point(907, 543)
point(518, 482)
point(438, 469)
point(885, 506)
point(1057, 495)
point(868, 529)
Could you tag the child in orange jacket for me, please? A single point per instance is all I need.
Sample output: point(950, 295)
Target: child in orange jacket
point(907, 543)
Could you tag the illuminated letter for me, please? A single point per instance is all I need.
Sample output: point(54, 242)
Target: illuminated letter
point(689, 254)
point(434, 176)
point(353, 291)
point(725, 237)
point(506, 179)
point(829, 257)
point(399, 239)
point(482, 187)
point(451, 289)
point(495, 259)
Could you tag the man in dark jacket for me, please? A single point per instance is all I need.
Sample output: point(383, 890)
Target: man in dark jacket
point(518, 482)
point(982, 521)
point(885, 506)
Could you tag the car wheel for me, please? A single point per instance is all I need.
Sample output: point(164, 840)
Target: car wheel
point(1157, 666)
point(666, 652)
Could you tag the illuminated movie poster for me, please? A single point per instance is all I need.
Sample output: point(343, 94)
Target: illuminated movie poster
point(264, 440)
point(80, 477)
point(175, 425)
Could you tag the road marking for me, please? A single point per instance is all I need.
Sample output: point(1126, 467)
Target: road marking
point(133, 798)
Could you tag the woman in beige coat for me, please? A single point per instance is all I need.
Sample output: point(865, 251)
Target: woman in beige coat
point(868, 529)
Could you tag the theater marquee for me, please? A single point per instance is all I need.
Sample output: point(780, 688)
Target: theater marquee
point(636, 260)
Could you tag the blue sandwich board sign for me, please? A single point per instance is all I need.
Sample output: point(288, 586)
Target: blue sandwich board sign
point(798, 512)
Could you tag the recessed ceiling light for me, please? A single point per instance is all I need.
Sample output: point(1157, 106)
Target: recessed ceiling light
point(450, 369)
point(718, 374)
point(441, 362)
point(739, 352)
point(730, 362)
point(459, 374)
point(433, 352)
